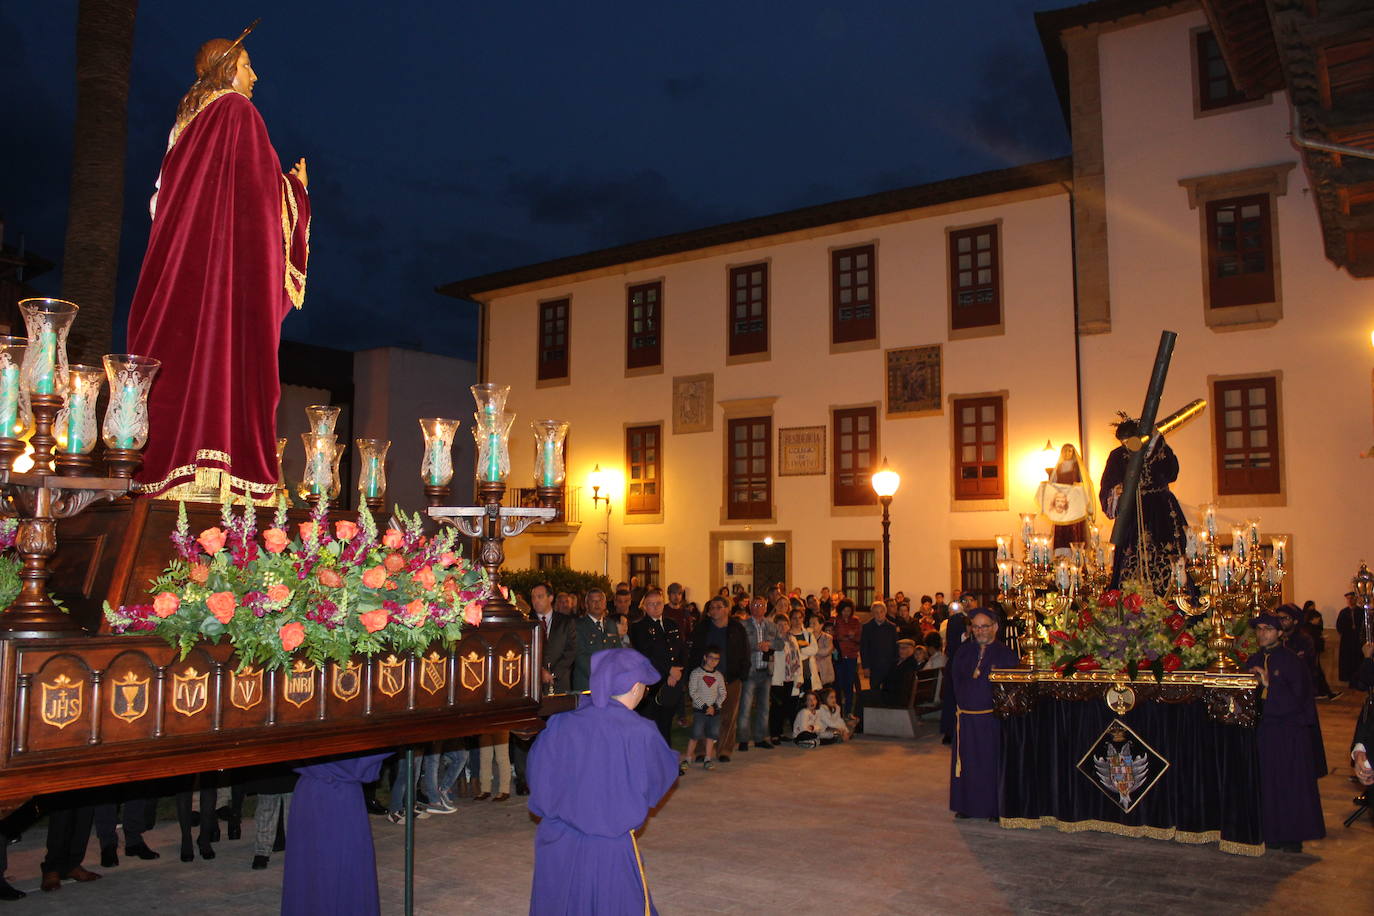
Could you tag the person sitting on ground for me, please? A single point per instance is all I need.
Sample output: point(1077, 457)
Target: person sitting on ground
point(706, 687)
point(807, 727)
point(832, 718)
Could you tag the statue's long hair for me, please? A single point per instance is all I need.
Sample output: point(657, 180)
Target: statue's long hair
point(215, 70)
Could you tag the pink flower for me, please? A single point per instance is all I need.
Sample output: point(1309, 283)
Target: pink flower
point(345, 530)
point(166, 604)
point(373, 621)
point(275, 540)
point(374, 577)
point(212, 540)
point(291, 635)
point(278, 593)
point(392, 539)
point(472, 614)
point(222, 605)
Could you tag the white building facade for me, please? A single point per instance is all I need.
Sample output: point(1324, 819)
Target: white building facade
point(739, 383)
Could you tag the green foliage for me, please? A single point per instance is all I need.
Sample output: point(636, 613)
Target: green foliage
point(9, 578)
point(520, 581)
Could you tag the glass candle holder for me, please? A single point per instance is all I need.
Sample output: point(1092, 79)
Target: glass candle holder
point(436, 467)
point(45, 361)
point(372, 468)
point(126, 418)
point(322, 419)
point(549, 437)
point(75, 425)
point(14, 400)
point(321, 474)
point(492, 435)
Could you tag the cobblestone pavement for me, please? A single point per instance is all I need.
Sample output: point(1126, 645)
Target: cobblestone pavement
point(858, 829)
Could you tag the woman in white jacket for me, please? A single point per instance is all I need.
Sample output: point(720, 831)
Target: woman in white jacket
point(808, 648)
point(787, 669)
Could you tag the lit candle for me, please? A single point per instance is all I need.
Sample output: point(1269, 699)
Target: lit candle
point(9, 398)
point(437, 454)
point(1109, 554)
point(1180, 573)
point(1210, 520)
point(1254, 535)
point(1061, 575)
point(1094, 536)
point(1224, 570)
point(1190, 548)
point(1027, 528)
point(1002, 552)
point(550, 477)
point(1238, 542)
point(46, 361)
point(493, 471)
point(1280, 551)
point(1004, 575)
point(76, 406)
point(372, 486)
point(128, 407)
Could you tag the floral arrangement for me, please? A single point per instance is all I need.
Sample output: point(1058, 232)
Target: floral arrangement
point(10, 563)
point(1132, 630)
point(327, 593)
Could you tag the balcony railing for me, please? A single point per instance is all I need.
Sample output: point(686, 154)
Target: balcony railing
point(568, 504)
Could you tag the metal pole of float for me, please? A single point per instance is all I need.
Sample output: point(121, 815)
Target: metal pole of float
point(1125, 512)
point(409, 797)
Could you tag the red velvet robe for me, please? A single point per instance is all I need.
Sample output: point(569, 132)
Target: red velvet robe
point(215, 286)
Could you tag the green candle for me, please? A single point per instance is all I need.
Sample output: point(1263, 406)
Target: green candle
point(371, 484)
point(128, 406)
point(436, 461)
point(9, 399)
point(549, 471)
point(46, 361)
point(76, 406)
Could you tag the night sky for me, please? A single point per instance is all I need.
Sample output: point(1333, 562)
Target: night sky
point(455, 138)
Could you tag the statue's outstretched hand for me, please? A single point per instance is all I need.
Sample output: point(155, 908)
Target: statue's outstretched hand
point(299, 171)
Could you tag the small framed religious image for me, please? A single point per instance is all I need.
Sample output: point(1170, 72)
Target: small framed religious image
point(693, 398)
point(801, 451)
point(914, 382)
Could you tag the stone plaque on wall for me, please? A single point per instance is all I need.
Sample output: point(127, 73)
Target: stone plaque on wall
point(693, 403)
point(801, 451)
point(913, 382)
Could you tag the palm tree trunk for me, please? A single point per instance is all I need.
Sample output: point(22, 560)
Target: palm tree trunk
point(90, 260)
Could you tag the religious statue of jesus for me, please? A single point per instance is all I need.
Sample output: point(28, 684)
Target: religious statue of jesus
point(225, 264)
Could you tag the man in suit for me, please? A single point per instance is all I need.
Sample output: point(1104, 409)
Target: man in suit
point(560, 640)
point(658, 639)
point(595, 631)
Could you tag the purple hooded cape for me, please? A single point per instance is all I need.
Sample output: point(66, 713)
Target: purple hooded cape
point(977, 750)
point(331, 867)
point(594, 774)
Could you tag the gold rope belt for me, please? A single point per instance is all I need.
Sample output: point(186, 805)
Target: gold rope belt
point(643, 882)
point(959, 713)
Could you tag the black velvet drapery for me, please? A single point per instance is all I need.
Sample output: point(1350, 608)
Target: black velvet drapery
point(1209, 793)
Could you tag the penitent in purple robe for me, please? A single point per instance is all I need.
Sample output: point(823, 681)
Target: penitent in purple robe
point(594, 774)
point(1290, 805)
point(977, 749)
point(331, 867)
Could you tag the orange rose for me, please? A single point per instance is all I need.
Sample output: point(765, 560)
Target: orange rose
point(472, 614)
point(374, 577)
point(278, 593)
point(222, 605)
point(292, 635)
point(330, 578)
point(166, 604)
point(212, 540)
point(307, 531)
point(394, 562)
point(373, 621)
point(392, 539)
point(425, 576)
point(345, 530)
point(199, 573)
point(447, 559)
point(275, 540)
point(415, 612)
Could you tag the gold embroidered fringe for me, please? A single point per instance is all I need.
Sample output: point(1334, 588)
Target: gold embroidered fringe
point(1153, 833)
point(290, 217)
point(207, 484)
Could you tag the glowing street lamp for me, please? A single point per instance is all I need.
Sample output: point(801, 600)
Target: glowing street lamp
point(885, 483)
point(598, 481)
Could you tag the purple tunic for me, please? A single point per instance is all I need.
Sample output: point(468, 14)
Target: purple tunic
point(330, 864)
point(977, 748)
point(1290, 805)
point(594, 774)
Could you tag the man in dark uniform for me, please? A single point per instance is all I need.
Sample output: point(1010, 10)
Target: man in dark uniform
point(1292, 637)
point(595, 631)
point(658, 639)
point(1350, 624)
point(1290, 806)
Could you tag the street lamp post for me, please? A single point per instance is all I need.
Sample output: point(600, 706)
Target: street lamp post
point(885, 483)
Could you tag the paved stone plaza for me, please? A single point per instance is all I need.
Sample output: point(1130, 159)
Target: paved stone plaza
point(859, 829)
